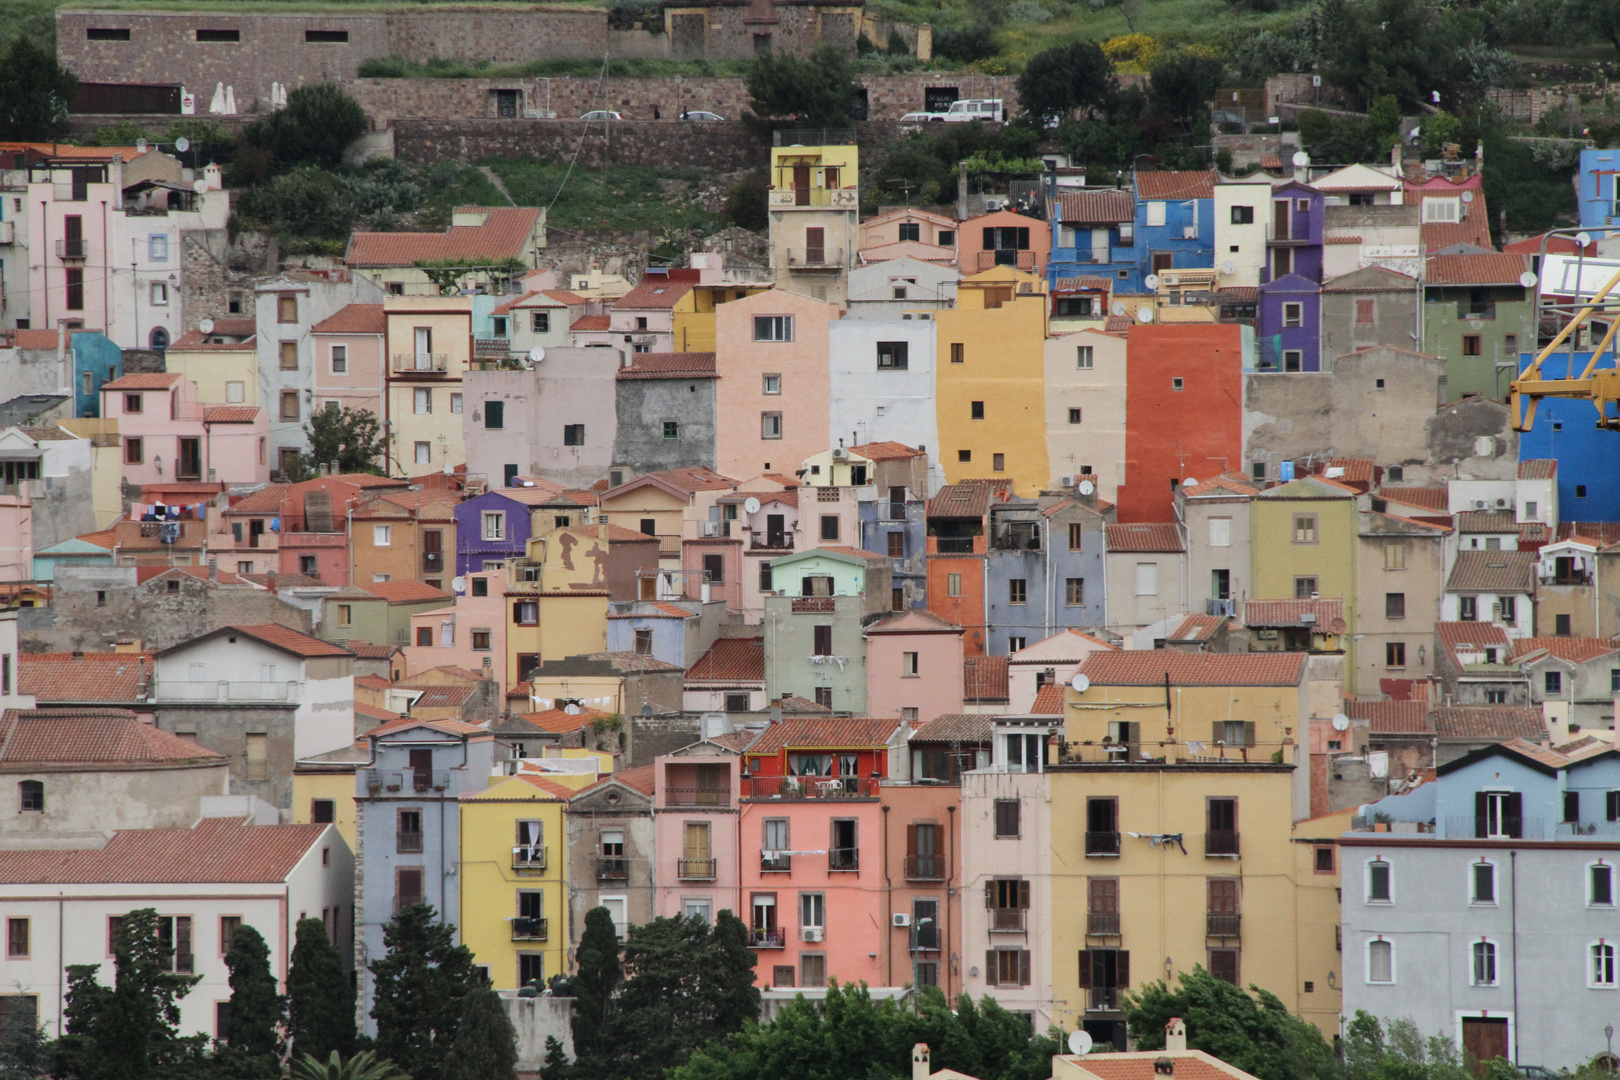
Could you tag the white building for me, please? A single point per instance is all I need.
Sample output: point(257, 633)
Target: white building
point(1085, 410)
point(1242, 222)
point(1052, 660)
point(881, 376)
point(895, 288)
point(204, 881)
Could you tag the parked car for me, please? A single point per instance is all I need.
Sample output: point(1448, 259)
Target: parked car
point(701, 116)
point(990, 109)
point(601, 114)
point(921, 117)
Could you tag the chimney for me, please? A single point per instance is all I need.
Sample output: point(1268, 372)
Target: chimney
point(1175, 1034)
point(489, 667)
point(213, 568)
point(132, 645)
point(270, 579)
point(332, 469)
point(919, 1062)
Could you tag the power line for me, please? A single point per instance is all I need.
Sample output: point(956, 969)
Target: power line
point(601, 85)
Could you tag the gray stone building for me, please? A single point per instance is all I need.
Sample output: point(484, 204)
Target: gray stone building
point(1371, 306)
point(1474, 661)
point(610, 851)
point(666, 408)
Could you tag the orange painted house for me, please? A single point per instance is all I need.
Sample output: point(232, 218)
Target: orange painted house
point(957, 545)
point(1003, 238)
point(1183, 413)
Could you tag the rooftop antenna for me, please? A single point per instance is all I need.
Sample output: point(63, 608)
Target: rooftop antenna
point(905, 186)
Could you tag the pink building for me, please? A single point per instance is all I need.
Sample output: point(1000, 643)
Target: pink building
point(477, 630)
point(349, 368)
point(924, 874)
point(696, 838)
point(295, 528)
point(1003, 238)
point(913, 666)
point(812, 852)
point(771, 357)
point(169, 435)
point(765, 534)
point(713, 568)
point(908, 232)
point(643, 319)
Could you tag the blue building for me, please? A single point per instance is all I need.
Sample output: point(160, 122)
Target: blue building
point(905, 512)
point(1175, 225)
point(96, 360)
point(1588, 482)
point(665, 630)
point(1043, 571)
point(1093, 235)
point(408, 825)
point(1599, 197)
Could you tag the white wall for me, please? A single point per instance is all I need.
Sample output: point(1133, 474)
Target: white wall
point(1250, 239)
point(858, 389)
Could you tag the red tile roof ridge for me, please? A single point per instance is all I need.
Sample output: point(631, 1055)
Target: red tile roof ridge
point(215, 850)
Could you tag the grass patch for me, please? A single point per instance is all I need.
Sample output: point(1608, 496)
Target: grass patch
point(619, 199)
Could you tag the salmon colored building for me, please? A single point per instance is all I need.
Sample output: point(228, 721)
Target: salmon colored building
point(923, 854)
point(1183, 413)
point(811, 840)
point(696, 831)
point(913, 666)
point(1003, 238)
point(773, 396)
point(957, 546)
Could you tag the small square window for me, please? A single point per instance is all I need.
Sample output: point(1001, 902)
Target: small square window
point(976, 410)
point(964, 455)
point(773, 384)
point(672, 429)
point(1074, 416)
point(1177, 384)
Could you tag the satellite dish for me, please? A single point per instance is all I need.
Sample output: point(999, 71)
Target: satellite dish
point(1118, 308)
point(206, 326)
point(1190, 482)
point(1079, 1043)
point(182, 144)
point(571, 709)
point(459, 584)
point(1301, 159)
point(1340, 722)
point(751, 505)
point(1144, 314)
point(536, 355)
point(1583, 239)
point(199, 186)
point(1151, 281)
point(1527, 279)
point(1081, 683)
point(1228, 267)
point(1087, 487)
point(1468, 196)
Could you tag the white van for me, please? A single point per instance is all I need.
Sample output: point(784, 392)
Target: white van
point(989, 109)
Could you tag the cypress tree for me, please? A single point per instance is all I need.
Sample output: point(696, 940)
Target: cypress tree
point(320, 1004)
point(485, 1046)
point(595, 984)
point(253, 1028)
point(420, 984)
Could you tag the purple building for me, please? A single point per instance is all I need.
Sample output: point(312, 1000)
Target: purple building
point(1290, 310)
point(497, 525)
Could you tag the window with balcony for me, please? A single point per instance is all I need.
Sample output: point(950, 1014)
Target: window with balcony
point(530, 923)
point(1102, 826)
point(1007, 901)
point(1102, 907)
point(1222, 917)
point(1104, 973)
point(1221, 833)
point(1499, 814)
point(408, 832)
point(764, 931)
point(843, 851)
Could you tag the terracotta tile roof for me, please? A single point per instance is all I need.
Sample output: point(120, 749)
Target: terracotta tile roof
point(266, 500)
point(592, 322)
point(1486, 521)
point(1176, 185)
point(1575, 650)
point(1534, 532)
point(536, 779)
point(818, 734)
point(143, 380)
point(793, 703)
point(1097, 206)
point(405, 592)
point(563, 296)
point(1428, 498)
point(373, 713)
point(1142, 538)
point(1391, 717)
point(287, 638)
point(1119, 324)
point(101, 738)
point(1495, 722)
point(230, 414)
point(643, 778)
point(911, 621)
point(1473, 636)
point(786, 498)
point(968, 498)
point(1048, 700)
point(36, 339)
point(1473, 230)
point(1497, 268)
point(1493, 572)
point(984, 678)
point(536, 299)
point(144, 574)
point(354, 319)
point(82, 676)
point(689, 365)
point(959, 727)
point(1148, 667)
point(405, 723)
point(731, 660)
point(856, 553)
point(653, 294)
point(373, 682)
point(1140, 1065)
point(502, 236)
point(216, 850)
point(1197, 627)
point(1324, 614)
point(658, 610)
point(1356, 471)
point(443, 697)
point(1220, 485)
point(106, 538)
point(1538, 469)
point(1083, 284)
point(1341, 239)
point(1237, 294)
point(558, 722)
point(886, 451)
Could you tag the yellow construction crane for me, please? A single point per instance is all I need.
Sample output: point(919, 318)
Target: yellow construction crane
point(1600, 387)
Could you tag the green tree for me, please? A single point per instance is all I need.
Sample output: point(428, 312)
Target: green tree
point(816, 91)
point(24, 1053)
point(253, 1029)
point(485, 1046)
point(596, 982)
point(314, 127)
point(420, 983)
point(320, 1004)
point(1256, 1034)
point(1400, 1052)
point(351, 437)
point(1068, 77)
point(365, 1065)
point(35, 93)
point(1594, 18)
point(86, 1000)
point(1183, 84)
point(1438, 130)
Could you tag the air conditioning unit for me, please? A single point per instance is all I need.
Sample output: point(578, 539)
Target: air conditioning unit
point(839, 453)
point(901, 919)
point(1067, 481)
point(992, 204)
point(1479, 504)
point(813, 934)
point(1189, 232)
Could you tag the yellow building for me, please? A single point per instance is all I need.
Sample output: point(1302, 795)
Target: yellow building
point(1304, 539)
point(323, 789)
point(106, 465)
point(1181, 769)
point(556, 600)
point(990, 380)
point(429, 349)
point(694, 314)
point(224, 363)
point(514, 887)
point(814, 208)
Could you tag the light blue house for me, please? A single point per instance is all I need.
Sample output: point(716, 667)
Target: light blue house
point(1093, 235)
point(96, 360)
point(408, 819)
point(1043, 572)
point(1599, 197)
point(74, 551)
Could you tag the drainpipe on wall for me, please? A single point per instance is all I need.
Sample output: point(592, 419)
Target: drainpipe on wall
point(888, 899)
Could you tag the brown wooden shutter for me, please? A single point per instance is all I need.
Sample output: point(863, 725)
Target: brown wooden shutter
point(1124, 969)
point(990, 968)
point(1515, 810)
point(1085, 969)
point(911, 840)
point(1023, 895)
point(1023, 967)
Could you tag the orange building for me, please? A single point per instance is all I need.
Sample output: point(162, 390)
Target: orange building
point(1183, 413)
point(405, 536)
point(957, 546)
point(1003, 238)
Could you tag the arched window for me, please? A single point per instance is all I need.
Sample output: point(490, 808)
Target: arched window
point(1600, 964)
point(160, 338)
point(31, 796)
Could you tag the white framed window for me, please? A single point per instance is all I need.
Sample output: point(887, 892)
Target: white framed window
point(1482, 962)
point(340, 359)
point(1155, 214)
point(540, 322)
point(1380, 960)
point(235, 393)
point(157, 247)
point(773, 328)
point(1442, 209)
point(455, 403)
point(382, 535)
point(1293, 314)
point(495, 525)
point(1147, 579)
point(770, 425)
point(424, 453)
point(160, 294)
point(773, 384)
point(1380, 882)
point(1083, 357)
point(423, 401)
point(1220, 532)
point(1600, 965)
point(1600, 884)
point(1482, 882)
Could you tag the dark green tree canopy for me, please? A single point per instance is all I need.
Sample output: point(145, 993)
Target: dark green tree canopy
point(253, 1030)
point(351, 437)
point(1183, 83)
point(420, 984)
point(818, 90)
point(314, 127)
point(485, 1046)
point(596, 982)
point(1068, 77)
point(35, 93)
point(320, 1005)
